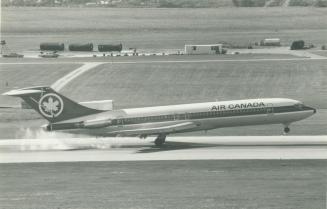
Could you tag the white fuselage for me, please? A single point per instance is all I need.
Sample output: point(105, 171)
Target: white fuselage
point(206, 116)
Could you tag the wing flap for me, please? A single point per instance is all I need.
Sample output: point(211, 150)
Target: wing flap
point(157, 130)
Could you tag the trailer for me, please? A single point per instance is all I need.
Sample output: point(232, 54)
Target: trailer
point(270, 42)
point(205, 49)
point(110, 47)
point(88, 47)
point(52, 46)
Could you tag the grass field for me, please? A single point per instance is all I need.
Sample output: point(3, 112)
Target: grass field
point(136, 85)
point(145, 28)
point(243, 184)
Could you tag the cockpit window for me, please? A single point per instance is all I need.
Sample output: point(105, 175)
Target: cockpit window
point(299, 106)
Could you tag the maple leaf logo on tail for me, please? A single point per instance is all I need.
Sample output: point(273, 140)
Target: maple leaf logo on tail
point(51, 105)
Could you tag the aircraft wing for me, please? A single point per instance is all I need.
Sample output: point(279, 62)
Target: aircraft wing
point(157, 130)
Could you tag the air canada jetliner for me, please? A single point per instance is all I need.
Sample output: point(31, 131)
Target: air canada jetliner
point(66, 115)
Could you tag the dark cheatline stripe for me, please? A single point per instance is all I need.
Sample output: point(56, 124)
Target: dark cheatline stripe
point(210, 114)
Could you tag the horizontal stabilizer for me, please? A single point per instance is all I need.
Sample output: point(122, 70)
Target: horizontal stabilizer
point(21, 92)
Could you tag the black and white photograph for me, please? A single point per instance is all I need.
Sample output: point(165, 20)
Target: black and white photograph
point(159, 104)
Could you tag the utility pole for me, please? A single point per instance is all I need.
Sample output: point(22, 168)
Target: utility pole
point(4, 48)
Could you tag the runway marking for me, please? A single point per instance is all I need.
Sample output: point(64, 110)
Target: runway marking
point(59, 84)
point(176, 148)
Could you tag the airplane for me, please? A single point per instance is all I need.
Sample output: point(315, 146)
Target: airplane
point(66, 115)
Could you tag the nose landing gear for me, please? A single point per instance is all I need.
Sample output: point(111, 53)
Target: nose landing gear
point(286, 130)
point(160, 140)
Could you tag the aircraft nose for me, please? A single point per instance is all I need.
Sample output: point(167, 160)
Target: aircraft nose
point(314, 110)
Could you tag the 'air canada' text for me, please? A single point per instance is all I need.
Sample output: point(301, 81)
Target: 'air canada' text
point(237, 106)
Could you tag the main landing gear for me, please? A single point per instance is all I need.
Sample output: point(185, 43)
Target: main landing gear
point(160, 140)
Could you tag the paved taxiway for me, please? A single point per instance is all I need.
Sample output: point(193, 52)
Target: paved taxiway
point(161, 61)
point(176, 148)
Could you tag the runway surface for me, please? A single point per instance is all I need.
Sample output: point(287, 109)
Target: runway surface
point(176, 148)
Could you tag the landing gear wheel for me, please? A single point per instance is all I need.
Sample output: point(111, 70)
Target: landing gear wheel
point(286, 130)
point(160, 140)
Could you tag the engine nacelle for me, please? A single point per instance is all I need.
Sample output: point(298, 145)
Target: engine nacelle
point(96, 123)
point(99, 105)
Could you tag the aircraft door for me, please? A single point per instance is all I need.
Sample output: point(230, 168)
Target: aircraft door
point(120, 121)
point(269, 109)
point(187, 116)
point(184, 116)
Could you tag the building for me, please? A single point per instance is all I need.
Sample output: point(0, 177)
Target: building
point(204, 49)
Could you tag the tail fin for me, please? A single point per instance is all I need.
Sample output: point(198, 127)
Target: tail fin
point(50, 104)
